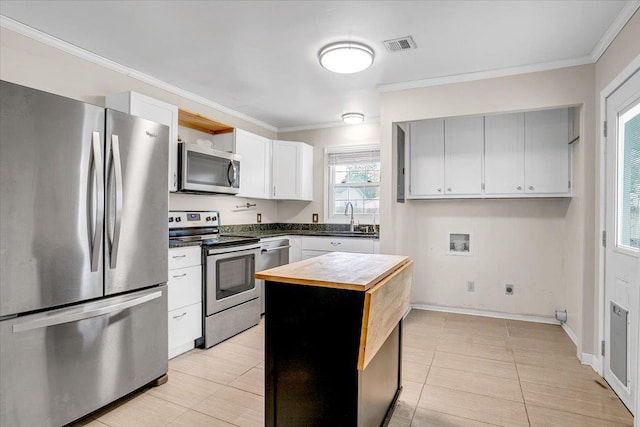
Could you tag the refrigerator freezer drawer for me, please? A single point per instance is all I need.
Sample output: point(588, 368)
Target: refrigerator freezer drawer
point(62, 364)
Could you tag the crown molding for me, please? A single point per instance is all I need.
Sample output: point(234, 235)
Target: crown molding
point(483, 75)
point(25, 30)
point(618, 24)
point(367, 120)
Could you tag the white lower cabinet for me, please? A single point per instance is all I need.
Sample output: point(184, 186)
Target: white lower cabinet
point(295, 251)
point(184, 299)
point(316, 246)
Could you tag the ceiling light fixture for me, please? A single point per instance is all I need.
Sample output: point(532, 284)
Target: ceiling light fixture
point(353, 118)
point(346, 57)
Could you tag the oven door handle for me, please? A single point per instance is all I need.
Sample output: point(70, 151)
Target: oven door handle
point(232, 252)
point(279, 248)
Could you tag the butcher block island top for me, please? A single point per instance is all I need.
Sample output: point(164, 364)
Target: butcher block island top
point(334, 339)
point(338, 270)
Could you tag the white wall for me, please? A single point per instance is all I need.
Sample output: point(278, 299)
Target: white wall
point(31, 63)
point(537, 245)
point(300, 212)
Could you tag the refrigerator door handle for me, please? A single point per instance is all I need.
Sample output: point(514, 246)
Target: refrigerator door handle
point(77, 316)
point(98, 173)
point(114, 234)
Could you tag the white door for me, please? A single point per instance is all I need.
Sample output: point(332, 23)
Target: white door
point(426, 158)
point(546, 151)
point(255, 164)
point(622, 253)
point(504, 154)
point(286, 170)
point(463, 145)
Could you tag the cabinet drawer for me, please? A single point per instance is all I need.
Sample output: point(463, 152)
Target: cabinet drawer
point(335, 244)
point(184, 257)
point(185, 286)
point(185, 325)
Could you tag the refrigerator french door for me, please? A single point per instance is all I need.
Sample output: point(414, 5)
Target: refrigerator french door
point(83, 256)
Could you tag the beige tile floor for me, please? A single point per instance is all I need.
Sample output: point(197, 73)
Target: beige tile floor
point(457, 371)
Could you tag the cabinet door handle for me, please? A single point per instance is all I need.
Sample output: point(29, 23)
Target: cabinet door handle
point(180, 276)
point(519, 187)
point(335, 243)
point(178, 256)
point(180, 316)
point(531, 187)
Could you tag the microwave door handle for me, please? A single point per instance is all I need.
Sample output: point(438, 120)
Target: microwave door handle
point(98, 210)
point(232, 179)
point(117, 220)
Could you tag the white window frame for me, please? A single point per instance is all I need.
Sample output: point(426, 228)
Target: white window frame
point(339, 218)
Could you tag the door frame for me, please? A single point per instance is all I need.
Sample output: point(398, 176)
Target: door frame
point(598, 360)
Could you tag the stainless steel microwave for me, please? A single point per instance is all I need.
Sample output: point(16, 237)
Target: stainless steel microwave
point(205, 170)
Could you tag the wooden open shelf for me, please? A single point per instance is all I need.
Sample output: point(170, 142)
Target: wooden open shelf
point(204, 124)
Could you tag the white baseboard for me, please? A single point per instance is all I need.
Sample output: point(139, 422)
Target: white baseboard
point(572, 335)
point(596, 364)
point(487, 313)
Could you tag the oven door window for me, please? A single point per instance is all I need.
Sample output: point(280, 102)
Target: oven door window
point(208, 170)
point(234, 276)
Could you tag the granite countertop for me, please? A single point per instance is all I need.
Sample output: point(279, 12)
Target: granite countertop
point(262, 231)
point(276, 233)
point(174, 243)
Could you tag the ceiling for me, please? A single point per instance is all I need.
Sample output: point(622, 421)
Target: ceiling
point(259, 58)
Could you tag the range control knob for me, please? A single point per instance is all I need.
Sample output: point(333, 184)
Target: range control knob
point(215, 218)
point(208, 218)
point(170, 219)
point(178, 219)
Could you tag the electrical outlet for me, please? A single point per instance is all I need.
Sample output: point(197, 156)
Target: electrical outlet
point(259, 218)
point(471, 286)
point(508, 289)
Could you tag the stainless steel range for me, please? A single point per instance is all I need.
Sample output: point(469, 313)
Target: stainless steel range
point(230, 292)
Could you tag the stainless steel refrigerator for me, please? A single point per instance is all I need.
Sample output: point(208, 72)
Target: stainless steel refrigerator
point(83, 256)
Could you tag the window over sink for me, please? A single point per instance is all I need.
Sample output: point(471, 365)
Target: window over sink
point(352, 176)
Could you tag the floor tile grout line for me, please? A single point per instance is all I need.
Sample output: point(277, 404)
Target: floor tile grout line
point(594, 417)
point(526, 410)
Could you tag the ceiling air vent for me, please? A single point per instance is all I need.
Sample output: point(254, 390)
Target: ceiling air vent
point(402, 43)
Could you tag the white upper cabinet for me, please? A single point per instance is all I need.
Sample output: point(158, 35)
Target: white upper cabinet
point(504, 154)
point(292, 170)
point(463, 155)
point(546, 152)
point(255, 164)
point(426, 158)
point(158, 111)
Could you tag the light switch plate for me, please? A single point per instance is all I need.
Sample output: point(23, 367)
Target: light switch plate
point(259, 218)
point(314, 218)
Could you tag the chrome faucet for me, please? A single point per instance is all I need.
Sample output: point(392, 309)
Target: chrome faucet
point(351, 223)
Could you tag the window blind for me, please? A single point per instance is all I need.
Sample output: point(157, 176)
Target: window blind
point(353, 157)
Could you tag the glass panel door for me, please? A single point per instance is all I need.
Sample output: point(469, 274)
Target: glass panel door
point(628, 188)
point(234, 275)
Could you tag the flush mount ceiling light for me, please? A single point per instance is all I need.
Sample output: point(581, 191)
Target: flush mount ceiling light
point(353, 118)
point(346, 57)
